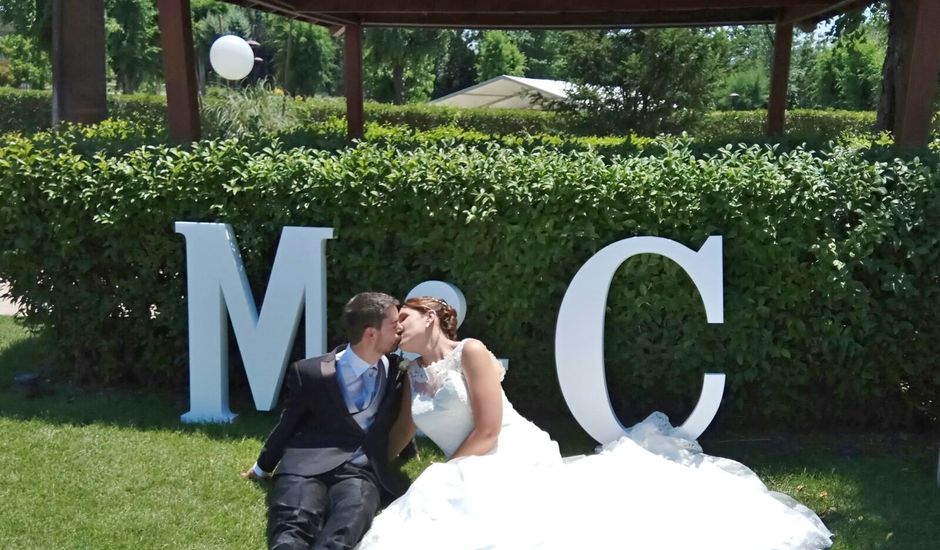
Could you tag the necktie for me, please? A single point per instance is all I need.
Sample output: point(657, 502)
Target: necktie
point(368, 387)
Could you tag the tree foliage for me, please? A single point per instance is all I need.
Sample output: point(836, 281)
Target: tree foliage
point(399, 63)
point(499, 55)
point(848, 72)
point(455, 69)
point(641, 80)
point(27, 64)
point(645, 81)
point(133, 42)
point(306, 58)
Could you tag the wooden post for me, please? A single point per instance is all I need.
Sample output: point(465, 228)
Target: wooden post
point(352, 69)
point(779, 77)
point(79, 89)
point(179, 69)
point(920, 64)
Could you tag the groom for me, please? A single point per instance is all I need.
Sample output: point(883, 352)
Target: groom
point(328, 454)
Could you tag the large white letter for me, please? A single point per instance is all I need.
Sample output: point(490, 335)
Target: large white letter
point(579, 335)
point(216, 281)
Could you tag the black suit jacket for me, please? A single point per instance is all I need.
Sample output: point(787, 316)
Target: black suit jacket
point(316, 433)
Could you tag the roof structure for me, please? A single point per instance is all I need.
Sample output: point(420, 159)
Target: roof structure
point(506, 92)
point(916, 82)
point(558, 14)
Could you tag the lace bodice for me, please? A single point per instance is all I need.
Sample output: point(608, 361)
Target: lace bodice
point(440, 406)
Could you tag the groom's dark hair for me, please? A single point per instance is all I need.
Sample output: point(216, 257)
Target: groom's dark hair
point(364, 310)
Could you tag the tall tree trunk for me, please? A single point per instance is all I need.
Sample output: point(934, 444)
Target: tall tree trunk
point(890, 71)
point(398, 83)
point(79, 85)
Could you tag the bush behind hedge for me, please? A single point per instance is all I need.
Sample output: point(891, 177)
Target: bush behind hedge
point(831, 261)
point(30, 111)
point(26, 112)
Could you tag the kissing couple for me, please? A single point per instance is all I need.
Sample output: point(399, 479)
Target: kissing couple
point(504, 485)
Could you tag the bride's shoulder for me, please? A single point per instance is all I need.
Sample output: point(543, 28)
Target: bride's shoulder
point(471, 347)
point(475, 356)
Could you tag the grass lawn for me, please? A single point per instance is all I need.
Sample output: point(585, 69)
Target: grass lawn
point(113, 469)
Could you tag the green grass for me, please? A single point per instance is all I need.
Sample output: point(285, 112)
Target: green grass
point(116, 469)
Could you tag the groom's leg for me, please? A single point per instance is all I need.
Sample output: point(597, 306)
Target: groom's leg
point(296, 506)
point(353, 502)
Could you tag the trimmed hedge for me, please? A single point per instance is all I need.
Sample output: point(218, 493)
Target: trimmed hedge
point(26, 112)
point(119, 136)
point(424, 117)
point(802, 125)
point(832, 261)
point(29, 111)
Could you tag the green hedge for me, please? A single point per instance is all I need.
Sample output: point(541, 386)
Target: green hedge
point(802, 125)
point(832, 261)
point(24, 110)
point(29, 111)
point(424, 117)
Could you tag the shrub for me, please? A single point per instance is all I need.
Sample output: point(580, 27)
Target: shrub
point(30, 111)
point(24, 110)
point(226, 114)
point(815, 127)
point(831, 260)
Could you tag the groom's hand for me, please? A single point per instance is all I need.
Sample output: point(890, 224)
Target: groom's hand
point(250, 474)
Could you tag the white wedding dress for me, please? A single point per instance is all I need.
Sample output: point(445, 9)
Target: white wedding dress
point(651, 489)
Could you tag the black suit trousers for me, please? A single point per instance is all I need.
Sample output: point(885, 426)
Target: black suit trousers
point(330, 511)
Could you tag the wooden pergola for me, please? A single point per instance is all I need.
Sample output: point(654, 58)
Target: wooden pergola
point(916, 85)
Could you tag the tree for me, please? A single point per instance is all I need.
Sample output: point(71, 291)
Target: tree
point(897, 16)
point(803, 89)
point(133, 42)
point(498, 56)
point(31, 19)
point(27, 64)
point(28, 48)
point(544, 53)
point(305, 56)
point(848, 71)
point(646, 81)
point(399, 64)
point(455, 70)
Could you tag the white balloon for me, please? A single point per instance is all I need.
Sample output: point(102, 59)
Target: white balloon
point(231, 57)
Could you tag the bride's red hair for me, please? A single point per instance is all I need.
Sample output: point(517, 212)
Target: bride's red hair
point(446, 316)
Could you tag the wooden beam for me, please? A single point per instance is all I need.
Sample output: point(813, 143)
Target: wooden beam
point(179, 69)
point(287, 9)
point(549, 14)
point(79, 88)
point(352, 78)
point(920, 64)
point(535, 6)
point(602, 20)
point(812, 14)
point(779, 78)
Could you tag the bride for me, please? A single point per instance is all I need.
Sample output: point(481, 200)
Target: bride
point(505, 485)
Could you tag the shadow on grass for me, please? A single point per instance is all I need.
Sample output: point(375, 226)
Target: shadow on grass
point(21, 352)
point(872, 491)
